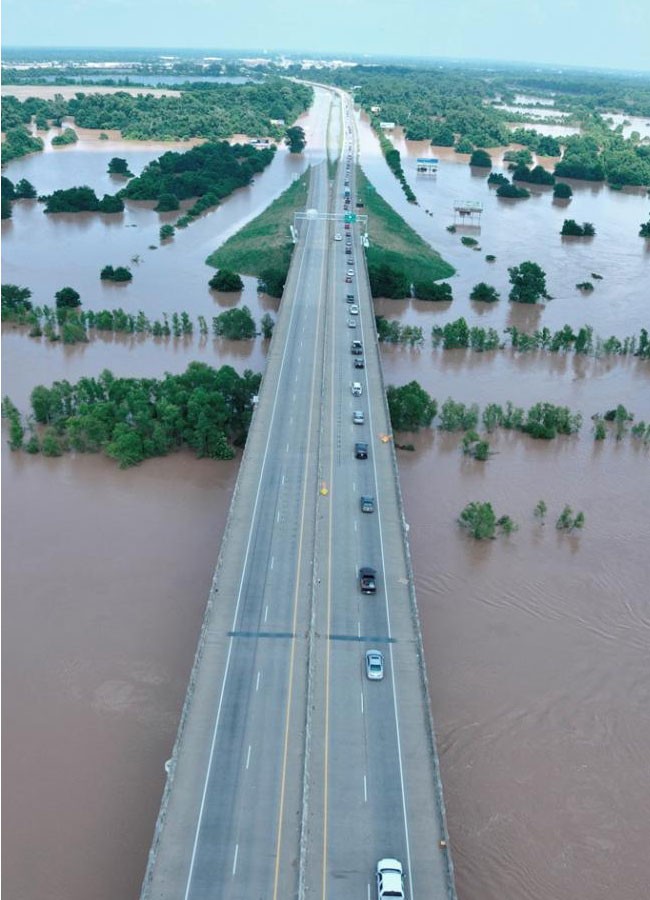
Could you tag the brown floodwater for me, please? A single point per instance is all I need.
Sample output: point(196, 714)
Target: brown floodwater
point(106, 573)
point(536, 644)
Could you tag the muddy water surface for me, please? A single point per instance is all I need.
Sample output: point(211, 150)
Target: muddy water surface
point(536, 644)
point(106, 573)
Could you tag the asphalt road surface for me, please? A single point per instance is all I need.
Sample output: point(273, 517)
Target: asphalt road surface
point(293, 773)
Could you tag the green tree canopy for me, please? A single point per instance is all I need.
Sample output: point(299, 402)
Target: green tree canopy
point(484, 293)
point(119, 166)
point(410, 407)
point(67, 298)
point(430, 290)
point(295, 139)
point(386, 281)
point(528, 282)
point(562, 191)
point(235, 324)
point(226, 280)
point(25, 190)
point(481, 158)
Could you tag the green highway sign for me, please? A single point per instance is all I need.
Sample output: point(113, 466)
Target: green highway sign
point(350, 217)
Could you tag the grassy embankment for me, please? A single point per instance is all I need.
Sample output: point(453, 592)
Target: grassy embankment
point(394, 242)
point(265, 243)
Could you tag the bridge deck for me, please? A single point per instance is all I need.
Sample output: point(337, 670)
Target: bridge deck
point(293, 773)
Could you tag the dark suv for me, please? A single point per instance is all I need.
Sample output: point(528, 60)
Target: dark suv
point(361, 450)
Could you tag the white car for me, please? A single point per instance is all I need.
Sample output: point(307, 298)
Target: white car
point(352, 323)
point(353, 310)
point(337, 237)
point(358, 417)
point(356, 388)
point(351, 273)
point(375, 665)
point(390, 879)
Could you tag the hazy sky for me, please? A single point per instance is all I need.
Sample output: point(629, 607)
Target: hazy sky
point(603, 33)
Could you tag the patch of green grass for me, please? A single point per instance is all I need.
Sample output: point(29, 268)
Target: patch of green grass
point(394, 242)
point(265, 243)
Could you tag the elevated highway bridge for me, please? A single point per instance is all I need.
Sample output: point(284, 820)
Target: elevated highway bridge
point(293, 773)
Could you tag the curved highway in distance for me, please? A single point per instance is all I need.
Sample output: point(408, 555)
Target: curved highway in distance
point(293, 773)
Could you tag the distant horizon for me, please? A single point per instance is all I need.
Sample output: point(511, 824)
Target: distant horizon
point(360, 59)
point(608, 35)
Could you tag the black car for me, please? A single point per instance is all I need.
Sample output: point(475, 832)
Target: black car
point(367, 580)
point(361, 450)
point(367, 504)
point(359, 363)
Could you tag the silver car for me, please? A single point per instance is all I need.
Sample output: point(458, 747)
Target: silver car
point(375, 665)
point(354, 310)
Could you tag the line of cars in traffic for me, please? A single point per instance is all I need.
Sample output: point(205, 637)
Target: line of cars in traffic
point(389, 874)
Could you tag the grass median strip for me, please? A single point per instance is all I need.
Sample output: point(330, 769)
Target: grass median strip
point(265, 243)
point(393, 242)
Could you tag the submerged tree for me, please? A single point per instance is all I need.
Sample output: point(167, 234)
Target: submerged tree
point(67, 298)
point(410, 407)
point(226, 280)
point(119, 166)
point(484, 293)
point(295, 139)
point(528, 282)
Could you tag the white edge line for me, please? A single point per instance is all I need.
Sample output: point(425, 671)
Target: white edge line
point(241, 586)
point(390, 645)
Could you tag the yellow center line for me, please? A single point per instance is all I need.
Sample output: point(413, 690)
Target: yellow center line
point(297, 594)
point(329, 590)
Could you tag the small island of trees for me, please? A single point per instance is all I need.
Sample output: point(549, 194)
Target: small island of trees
point(210, 172)
point(226, 280)
point(528, 282)
point(484, 293)
point(512, 192)
point(235, 324)
point(81, 199)
point(133, 419)
point(562, 191)
point(22, 190)
point(67, 298)
point(537, 175)
point(430, 290)
point(571, 228)
point(119, 274)
point(481, 159)
point(67, 136)
point(295, 139)
point(119, 166)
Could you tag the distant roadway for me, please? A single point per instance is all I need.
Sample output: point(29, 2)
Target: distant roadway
point(293, 773)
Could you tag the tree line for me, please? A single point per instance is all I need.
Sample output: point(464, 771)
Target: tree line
point(462, 110)
point(67, 323)
point(210, 111)
point(132, 419)
point(412, 408)
point(22, 190)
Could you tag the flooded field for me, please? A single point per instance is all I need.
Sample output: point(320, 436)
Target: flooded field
point(536, 643)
